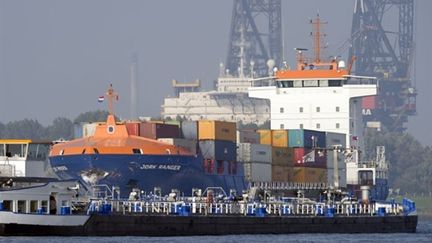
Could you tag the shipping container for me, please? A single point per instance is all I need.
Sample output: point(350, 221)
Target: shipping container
point(281, 173)
point(189, 130)
point(78, 130)
point(89, 129)
point(369, 102)
point(280, 138)
point(217, 130)
point(309, 175)
point(305, 157)
point(282, 156)
point(248, 136)
point(173, 122)
point(133, 128)
point(190, 145)
point(157, 130)
point(341, 175)
point(265, 136)
point(254, 152)
point(218, 150)
point(257, 171)
point(302, 138)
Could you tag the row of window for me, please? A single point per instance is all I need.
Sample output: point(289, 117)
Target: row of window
point(317, 109)
point(317, 126)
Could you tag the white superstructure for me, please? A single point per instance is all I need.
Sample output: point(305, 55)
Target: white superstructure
point(317, 106)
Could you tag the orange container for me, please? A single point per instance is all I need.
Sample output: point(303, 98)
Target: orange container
point(280, 138)
point(282, 173)
point(265, 136)
point(309, 175)
point(282, 156)
point(217, 130)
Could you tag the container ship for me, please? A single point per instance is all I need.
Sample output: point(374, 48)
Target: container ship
point(314, 140)
point(113, 156)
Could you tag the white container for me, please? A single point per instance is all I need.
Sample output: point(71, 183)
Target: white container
point(342, 177)
point(247, 152)
point(187, 144)
point(257, 171)
point(248, 136)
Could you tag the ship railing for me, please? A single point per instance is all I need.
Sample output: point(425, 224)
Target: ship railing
point(275, 185)
point(183, 208)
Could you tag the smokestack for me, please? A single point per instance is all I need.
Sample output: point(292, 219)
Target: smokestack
point(134, 87)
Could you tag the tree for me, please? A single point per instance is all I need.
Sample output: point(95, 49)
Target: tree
point(27, 128)
point(92, 116)
point(61, 128)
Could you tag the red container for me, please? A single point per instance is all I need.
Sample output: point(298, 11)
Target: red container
point(133, 128)
point(157, 130)
point(369, 102)
point(305, 157)
point(209, 165)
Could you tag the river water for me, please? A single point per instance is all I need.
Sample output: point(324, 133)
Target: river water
point(424, 234)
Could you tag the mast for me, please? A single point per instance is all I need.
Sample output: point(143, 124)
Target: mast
point(316, 35)
point(110, 95)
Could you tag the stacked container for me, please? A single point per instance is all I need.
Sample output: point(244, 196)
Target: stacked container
point(190, 145)
point(282, 156)
point(155, 130)
point(336, 143)
point(217, 143)
point(310, 160)
point(133, 128)
point(256, 159)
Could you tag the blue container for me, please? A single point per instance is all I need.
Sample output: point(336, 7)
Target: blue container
point(40, 211)
point(260, 212)
point(136, 207)
point(286, 210)
point(319, 211)
point(1, 206)
point(185, 210)
point(302, 138)
point(78, 130)
point(330, 212)
point(106, 208)
point(65, 210)
point(381, 211)
point(250, 210)
point(218, 150)
point(176, 208)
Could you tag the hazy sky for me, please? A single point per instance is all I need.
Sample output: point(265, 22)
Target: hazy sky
point(58, 56)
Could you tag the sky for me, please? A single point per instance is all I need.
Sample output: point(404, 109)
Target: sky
point(58, 56)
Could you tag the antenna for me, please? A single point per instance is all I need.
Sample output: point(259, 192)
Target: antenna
point(316, 35)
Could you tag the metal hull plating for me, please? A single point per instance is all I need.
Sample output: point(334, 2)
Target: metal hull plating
point(144, 172)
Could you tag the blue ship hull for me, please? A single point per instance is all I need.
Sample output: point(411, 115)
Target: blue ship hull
point(147, 172)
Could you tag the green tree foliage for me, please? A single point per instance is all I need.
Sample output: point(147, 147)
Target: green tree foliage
point(92, 116)
point(27, 128)
point(410, 162)
point(62, 128)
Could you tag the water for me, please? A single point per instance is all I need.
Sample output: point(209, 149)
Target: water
point(424, 234)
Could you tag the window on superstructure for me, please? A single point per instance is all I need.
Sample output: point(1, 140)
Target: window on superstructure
point(281, 126)
point(337, 125)
point(301, 109)
point(281, 110)
point(301, 126)
point(334, 83)
point(318, 126)
point(318, 109)
point(2, 150)
point(337, 108)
